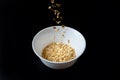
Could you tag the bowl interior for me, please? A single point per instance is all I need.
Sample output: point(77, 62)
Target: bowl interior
point(48, 35)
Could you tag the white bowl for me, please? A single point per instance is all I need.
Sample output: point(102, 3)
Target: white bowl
point(48, 35)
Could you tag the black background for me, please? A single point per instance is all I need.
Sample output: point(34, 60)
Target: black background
point(97, 20)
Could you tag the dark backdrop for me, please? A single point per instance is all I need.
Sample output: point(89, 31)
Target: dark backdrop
point(97, 20)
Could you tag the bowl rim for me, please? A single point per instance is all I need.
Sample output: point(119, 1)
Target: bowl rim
point(33, 41)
